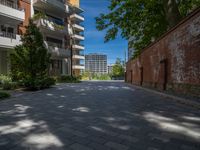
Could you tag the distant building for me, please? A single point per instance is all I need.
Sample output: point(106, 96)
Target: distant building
point(131, 50)
point(96, 63)
point(110, 68)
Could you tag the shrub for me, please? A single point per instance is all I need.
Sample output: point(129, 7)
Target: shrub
point(4, 95)
point(5, 78)
point(68, 79)
point(38, 84)
point(9, 85)
point(46, 82)
point(6, 83)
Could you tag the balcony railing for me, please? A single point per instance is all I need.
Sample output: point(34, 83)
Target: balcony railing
point(49, 24)
point(7, 35)
point(52, 44)
point(77, 17)
point(10, 4)
point(78, 66)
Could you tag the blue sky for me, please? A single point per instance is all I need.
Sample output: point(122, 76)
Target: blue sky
point(94, 40)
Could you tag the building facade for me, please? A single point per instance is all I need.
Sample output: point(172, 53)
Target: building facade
point(60, 22)
point(172, 62)
point(96, 63)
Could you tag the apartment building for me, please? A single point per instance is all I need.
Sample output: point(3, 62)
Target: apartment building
point(11, 16)
point(60, 22)
point(96, 63)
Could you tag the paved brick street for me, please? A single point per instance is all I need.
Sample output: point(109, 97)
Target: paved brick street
point(97, 116)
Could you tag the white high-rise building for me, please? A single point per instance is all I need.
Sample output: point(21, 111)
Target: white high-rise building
point(96, 63)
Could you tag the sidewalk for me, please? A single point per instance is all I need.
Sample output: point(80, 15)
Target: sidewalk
point(186, 100)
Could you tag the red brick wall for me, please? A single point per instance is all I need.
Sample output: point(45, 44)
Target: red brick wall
point(173, 61)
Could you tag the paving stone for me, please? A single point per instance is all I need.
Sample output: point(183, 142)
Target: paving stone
point(77, 146)
point(80, 140)
point(159, 137)
point(99, 140)
point(116, 146)
point(118, 117)
point(128, 138)
point(185, 147)
point(97, 146)
point(152, 148)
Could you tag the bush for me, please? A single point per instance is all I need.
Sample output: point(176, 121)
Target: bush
point(4, 95)
point(101, 77)
point(38, 84)
point(5, 78)
point(46, 82)
point(6, 83)
point(9, 85)
point(68, 79)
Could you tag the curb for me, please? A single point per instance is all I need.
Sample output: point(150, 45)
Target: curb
point(180, 100)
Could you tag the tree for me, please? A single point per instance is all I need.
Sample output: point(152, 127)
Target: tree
point(145, 20)
point(118, 68)
point(30, 60)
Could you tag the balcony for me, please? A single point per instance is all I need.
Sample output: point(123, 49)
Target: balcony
point(11, 10)
point(9, 40)
point(57, 7)
point(77, 18)
point(49, 24)
point(79, 67)
point(78, 47)
point(56, 50)
point(78, 28)
point(78, 56)
point(78, 37)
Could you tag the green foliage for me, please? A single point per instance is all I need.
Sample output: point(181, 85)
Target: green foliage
point(6, 83)
point(47, 82)
point(42, 15)
point(39, 15)
point(91, 76)
point(101, 77)
point(86, 75)
point(58, 27)
point(145, 20)
point(118, 68)
point(68, 79)
point(39, 83)
point(30, 60)
point(186, 6)
point(9, 85)
point(5, 78)
point(4, 95)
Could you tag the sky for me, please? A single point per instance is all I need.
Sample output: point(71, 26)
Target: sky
point(94, 39)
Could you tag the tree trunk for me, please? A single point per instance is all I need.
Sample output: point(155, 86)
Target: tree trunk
point(173, 15)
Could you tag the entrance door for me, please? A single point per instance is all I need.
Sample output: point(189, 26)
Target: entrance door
point(141, 76)
point(164, 72)
point(131, 76)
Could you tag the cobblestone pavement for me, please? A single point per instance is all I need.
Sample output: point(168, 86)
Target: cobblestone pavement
point(97, 116)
